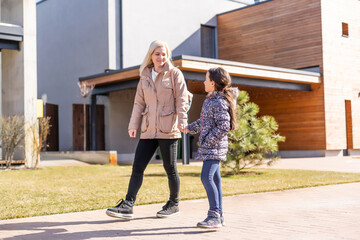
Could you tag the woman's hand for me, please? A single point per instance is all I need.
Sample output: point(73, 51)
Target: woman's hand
point(132, 133)
point(182, 128)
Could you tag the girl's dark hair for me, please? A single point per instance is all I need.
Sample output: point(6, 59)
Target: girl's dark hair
point(222, 81)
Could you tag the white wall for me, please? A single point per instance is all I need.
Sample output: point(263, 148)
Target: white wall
point(175, 22)
point(72, 42)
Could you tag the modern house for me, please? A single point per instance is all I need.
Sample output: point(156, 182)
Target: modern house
point(18, 77)
point(320, 35)
point(299, 61)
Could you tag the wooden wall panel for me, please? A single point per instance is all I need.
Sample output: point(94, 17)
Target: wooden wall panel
point(349, 135)
point(278, 33)
point(300, 115)
point(78, 127)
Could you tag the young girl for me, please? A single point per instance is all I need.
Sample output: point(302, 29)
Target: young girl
point(217, 119)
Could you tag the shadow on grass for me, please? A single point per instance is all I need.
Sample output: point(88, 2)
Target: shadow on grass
point(188, 174)
point(198, 174)
point(242, 173)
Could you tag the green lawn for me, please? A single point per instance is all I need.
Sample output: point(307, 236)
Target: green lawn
point(67, 189)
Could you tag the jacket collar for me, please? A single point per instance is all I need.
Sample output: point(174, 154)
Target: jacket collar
point(167, 66)
point(215, 94)
point(234, 91)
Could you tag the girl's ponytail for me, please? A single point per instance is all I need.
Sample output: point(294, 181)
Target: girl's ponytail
point(232, 104)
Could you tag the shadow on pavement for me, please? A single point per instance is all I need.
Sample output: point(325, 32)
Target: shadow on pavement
point(46, 230)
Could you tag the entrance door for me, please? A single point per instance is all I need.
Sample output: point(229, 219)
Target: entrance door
point(349, 134)
point(78, 127)
point(52, 142)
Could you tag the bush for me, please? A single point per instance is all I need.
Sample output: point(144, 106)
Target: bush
point(254, 141)
point(39, 130)
point(12, 134)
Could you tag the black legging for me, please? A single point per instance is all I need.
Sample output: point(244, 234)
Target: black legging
point(144, 151)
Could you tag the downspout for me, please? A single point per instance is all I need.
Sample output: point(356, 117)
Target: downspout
point(121, 34)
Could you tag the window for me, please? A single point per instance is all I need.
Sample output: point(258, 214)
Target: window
point(345, 29)
point(208, 48)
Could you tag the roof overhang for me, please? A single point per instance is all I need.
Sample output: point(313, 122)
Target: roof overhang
point(194, 70)
point(10, 36)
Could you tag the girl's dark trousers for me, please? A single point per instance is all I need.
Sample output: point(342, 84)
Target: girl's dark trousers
point(144, 152)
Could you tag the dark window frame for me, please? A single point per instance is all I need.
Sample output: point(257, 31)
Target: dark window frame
point(212, 41)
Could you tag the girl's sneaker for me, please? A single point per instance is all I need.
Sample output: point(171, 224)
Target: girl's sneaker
point(222, 220)
point(212, 221)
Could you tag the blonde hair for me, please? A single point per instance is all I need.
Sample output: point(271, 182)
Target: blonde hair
point(148, 61)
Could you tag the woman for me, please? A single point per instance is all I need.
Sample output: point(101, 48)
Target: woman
point(160, 113)
point(216, 120)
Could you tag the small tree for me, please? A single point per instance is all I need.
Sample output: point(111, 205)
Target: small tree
point(86, 89)
point(255, 141)
point(39, 130)
point(12, 134)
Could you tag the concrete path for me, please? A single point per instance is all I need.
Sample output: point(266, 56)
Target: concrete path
point(339, 164)
point(320, 213)
point(330, 212)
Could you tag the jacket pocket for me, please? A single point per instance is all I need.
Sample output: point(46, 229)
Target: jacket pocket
point(145, 120)
point(203, 138)
point(167, 120)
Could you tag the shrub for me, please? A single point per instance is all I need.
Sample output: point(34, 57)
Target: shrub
point(12, 134)
point(39, 130)
point(254, 141)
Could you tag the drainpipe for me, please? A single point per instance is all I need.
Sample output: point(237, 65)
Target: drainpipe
point(121, 34)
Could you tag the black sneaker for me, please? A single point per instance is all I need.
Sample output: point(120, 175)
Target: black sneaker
point(122, 210)
point(170, 209)
point(212, 221)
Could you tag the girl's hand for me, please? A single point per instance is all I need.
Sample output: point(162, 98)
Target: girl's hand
point(132, 133)
point(182, 128)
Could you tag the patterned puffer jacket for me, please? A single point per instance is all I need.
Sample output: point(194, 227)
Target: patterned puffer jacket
point(213, 125)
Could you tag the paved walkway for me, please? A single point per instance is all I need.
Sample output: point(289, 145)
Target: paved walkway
point(339, 164)
point(328, 212)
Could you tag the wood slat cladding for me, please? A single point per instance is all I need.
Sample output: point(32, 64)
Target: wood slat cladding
point(300, 115)
point(78, 127)
point(349, 134)
point(277, 33)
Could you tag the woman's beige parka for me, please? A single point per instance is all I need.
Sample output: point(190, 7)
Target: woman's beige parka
point(156, 107)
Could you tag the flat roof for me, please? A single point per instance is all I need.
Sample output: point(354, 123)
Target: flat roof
point(11, 32)
point(194, 69)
